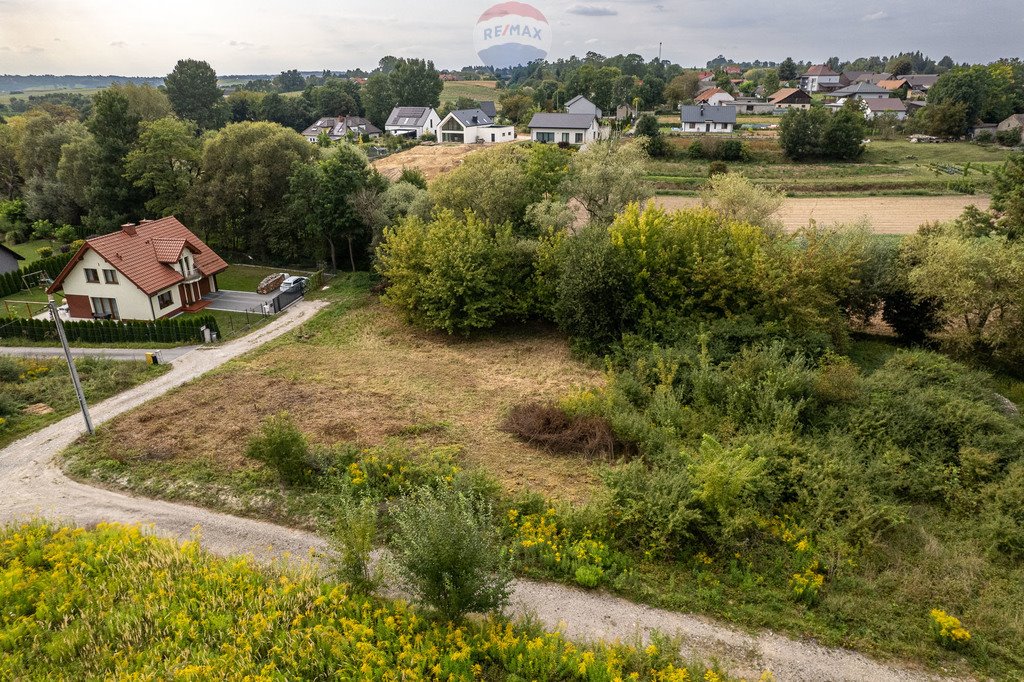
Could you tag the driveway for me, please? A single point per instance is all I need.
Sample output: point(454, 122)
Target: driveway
point(32, 484)
point(238, 301)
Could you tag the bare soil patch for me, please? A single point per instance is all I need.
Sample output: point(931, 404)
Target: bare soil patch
point(431, 160)
point(369, 378)
point(888, 215)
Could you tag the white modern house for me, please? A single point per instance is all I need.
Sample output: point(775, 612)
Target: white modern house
point(581, 105)
point(413, 122)
point(472, 126)
point(708, 119)
point(568, 128)
point(155, 269)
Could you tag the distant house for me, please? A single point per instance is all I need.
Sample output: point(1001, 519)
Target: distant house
point(706, 78)
point(569, 128)
point(581, 105)
point(339, 128)
point(979, 129)
point(876, 106)
point(625, 112)
point(472, 126)
point(1015, 122)
point(861, 90)
point(734, 70)
point(752, 105)
point(708, 119)
point(922, 82)
point(155, 269)
point(818, 78)
point(714, 97)
point(488, 107)
point(413, 122)
point(894, 84)
point(870, 77)
point(790, 98)
point(9, 260)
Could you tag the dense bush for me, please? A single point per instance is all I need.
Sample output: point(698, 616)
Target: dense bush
point(816, 133)
point(718, 149)
point(450, 554)
point(456, 274)
point(281, 445)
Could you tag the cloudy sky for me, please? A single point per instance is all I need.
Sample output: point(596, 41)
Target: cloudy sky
point(146, 37)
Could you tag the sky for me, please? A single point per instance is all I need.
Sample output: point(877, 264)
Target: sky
point(147, 37)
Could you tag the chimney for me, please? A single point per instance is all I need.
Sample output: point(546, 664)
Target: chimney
point(702, 111)
point(128, 229)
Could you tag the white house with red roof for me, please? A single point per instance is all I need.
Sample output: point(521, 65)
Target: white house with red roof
point(714, 97)
point(819, 77)
point(155, 269)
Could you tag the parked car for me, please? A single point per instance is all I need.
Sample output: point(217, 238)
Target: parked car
point(294, 284)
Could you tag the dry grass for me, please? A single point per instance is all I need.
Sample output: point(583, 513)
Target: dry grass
point(431, 160)
point(367, 377)
point(888, 215)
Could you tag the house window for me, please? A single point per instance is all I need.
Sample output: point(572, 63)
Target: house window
point(110, 276)
point(105, 309)
point(579, 138)
point(545, 137)
point(565, 137)
point(165, 299)
point(92, 276)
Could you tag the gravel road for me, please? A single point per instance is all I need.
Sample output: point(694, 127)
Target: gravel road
point(164, 354)
point(31, 484)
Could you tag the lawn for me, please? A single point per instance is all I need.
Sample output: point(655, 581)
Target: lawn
point(478, 90)
point(27, 303)
point(6, 97)
point(30, 250)
point(35, 393)
point(232, 324)
point(240, 277)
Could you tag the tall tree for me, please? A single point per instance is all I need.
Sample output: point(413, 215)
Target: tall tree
point(409, 82)
point(165, 164)
point(192, 89)
point(787, 70)
point(241, 191)
point(114, 198)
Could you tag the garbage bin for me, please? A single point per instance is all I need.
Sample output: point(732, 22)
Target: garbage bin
point(152, 359)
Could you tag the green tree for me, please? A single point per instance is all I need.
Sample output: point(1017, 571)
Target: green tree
point(969, 86)
point(515, 106)
point(41, 138)
point(948, 119)
point(843, 137)
point(144, 101)
point(289, 81)
point(682, 89)
point(900, 66)
point(321, 196)
point(165, 163)
point(1008, 196)
point(192, 89)
point(800, 132)
point(607, 177)
point(116, 130)
point(406, 82)
point(334, 98)
point(242, 187)
point(787, 70)
point(10, 176)
point(770, 82)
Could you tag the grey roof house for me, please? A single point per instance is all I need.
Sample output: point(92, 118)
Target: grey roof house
point(488, 108)
point(9, 260)
point(861, 90)
point(412, 121)
point(338, 128)
point(707, 119)
point(568, 128)
point(470, 126)
point(581, 105)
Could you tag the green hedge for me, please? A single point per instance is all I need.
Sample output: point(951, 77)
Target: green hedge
point(172, 330)
point(11, 282)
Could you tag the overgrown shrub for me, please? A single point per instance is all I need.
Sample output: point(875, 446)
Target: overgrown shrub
point(547, 426)
point(352, 533)
point(456, 274)
point(1009, 138)
point(449, 553)
point(281, 445)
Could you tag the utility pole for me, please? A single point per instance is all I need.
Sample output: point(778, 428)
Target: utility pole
point(71, 364)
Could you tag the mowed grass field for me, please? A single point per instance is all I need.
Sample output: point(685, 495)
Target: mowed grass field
point(5, 97)
point(478, 90)
point(355, 374)
point(895, 167)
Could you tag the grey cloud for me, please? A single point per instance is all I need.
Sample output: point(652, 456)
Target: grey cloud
point(592, 11)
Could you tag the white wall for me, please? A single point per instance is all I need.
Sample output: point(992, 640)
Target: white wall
point(590, 135)
point(132, 303)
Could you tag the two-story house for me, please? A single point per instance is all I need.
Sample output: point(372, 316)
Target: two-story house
point(155, 269)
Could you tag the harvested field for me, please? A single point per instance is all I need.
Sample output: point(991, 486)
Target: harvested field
point(431, 160)
point(366, 377)
point(888, 215)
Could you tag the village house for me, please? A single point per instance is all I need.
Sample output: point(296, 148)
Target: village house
point(9, 260)
point(790, 98)
point(473, 126)
point(625, 112)
point(568, 128)
point(414, 122)
point(708, 119)
point(714, 97)
point(860, 90)
point(581, 105)
point(752, 105)
point(155, 269)
point(876, 106)
point(1015, 122)
point(921, 82)
point(819, 78)
point(338, 128)
point(706, 78)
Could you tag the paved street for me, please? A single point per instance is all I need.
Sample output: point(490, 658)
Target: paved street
point(238, 301)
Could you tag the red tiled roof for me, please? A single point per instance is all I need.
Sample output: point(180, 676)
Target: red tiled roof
point(783, 94)
point(820, 70)
point(706, 95)
point(146, 256)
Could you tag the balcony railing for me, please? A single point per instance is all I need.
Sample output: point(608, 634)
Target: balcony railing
point(192, 275)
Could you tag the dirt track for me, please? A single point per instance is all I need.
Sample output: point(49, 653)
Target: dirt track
point(888, 215)
point(31, 484)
